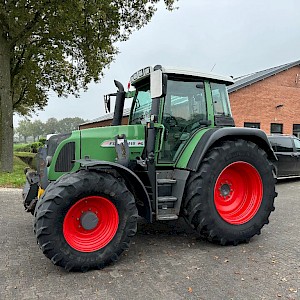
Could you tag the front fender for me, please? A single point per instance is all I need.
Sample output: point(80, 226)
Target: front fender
point(215, 135)
point(133, 183)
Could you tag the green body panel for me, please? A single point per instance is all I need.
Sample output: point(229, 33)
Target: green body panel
point(75, 137)
point(189, 149)
point(98, 143)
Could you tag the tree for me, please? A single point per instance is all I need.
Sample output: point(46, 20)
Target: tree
point(51, 126)
point(69, 124)
point(24, 129)
point(37, 129)
point(58, 45)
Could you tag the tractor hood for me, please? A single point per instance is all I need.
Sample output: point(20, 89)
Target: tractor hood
point(93, 143)
point(99, 143)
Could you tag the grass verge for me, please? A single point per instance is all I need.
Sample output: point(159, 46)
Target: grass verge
point(28, 158)
point(16, 179)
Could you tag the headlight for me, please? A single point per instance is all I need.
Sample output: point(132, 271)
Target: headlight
point(48, 160)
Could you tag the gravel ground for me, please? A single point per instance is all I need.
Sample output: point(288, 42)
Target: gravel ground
point(165, 261)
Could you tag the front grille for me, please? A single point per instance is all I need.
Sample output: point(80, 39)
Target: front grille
point(66, 157)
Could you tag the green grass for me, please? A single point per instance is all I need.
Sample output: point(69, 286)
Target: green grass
point(16, 179)
point(28, 158)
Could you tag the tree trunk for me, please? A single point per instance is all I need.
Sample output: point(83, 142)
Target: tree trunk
point(6, 108)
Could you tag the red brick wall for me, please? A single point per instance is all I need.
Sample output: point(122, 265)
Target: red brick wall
point(257, 102)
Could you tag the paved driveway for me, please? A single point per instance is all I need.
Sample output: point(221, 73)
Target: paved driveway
point(165, 261)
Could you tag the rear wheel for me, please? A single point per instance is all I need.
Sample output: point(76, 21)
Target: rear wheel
point(85, 220)
point(229, 199)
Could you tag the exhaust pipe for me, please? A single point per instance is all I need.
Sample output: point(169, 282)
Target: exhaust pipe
point(119, 106)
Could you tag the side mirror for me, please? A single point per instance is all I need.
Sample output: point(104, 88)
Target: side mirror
point(107, 103)
point(158, 84)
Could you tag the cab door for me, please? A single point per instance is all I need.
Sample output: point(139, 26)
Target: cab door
point(184, 112)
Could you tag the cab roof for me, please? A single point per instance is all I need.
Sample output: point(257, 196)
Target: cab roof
point(142, 73)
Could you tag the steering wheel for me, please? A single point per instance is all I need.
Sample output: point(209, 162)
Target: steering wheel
point(170, 120)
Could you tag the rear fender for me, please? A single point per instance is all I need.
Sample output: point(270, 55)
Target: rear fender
point(216, 135)
point(133, 183)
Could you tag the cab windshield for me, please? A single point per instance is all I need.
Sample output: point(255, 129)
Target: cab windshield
point(140, 113)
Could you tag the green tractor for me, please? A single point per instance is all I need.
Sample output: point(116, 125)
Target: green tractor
point(179, 155)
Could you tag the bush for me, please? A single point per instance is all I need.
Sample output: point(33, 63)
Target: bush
point(23, 148)
point(35, 146)
point(42, 140)
point(19, 146)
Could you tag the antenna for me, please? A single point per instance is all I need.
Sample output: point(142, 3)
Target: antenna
point(213, 67)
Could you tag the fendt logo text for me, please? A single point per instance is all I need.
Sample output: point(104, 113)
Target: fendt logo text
point(131, 143)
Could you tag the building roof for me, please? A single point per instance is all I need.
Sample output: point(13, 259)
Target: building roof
point(109, 116)
point(246, 80)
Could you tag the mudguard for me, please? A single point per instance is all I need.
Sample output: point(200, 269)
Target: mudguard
point(214, 135)
point(133, 183)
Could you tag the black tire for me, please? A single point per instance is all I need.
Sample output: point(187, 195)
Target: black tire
point(206, 206)
point(53, 223)
point(24, 194)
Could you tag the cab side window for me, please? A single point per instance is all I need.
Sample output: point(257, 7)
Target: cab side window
point(220, 99)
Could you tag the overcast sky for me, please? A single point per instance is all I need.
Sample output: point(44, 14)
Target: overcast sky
point(232, 37)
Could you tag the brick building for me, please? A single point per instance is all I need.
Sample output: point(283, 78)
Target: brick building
point(268, 99)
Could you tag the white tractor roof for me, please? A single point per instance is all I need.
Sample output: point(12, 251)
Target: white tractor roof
point(137, 76)
point(190, 72)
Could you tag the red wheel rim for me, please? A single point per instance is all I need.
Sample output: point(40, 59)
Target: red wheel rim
point(238, 193)
point(77, 233)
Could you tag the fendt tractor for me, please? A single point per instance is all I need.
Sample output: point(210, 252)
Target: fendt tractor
point(179, 155)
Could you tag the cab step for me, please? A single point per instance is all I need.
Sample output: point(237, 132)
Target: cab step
point(163, 199)
point(167, 217)
point(166, 181)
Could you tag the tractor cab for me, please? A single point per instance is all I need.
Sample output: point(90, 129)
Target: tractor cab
point(179, 102)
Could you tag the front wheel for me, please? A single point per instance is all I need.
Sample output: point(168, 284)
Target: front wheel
point(85, 220)
point(229, 199)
